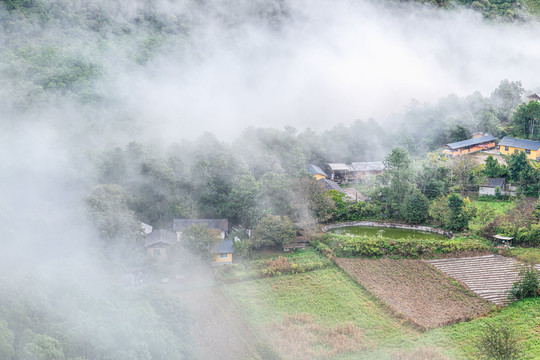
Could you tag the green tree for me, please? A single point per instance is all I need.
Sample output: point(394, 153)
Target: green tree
point(43, 347)
point(200, 239)
point(397, 172)
point(311, 201)
point(116, 223)
point(506, 97)
point(243, 202)
point(459, 133)
point(525, 120)
point(273, 231)
point(492, 168)
point(499, 342)
point(6, 341)
point(415, 207)
point(521, 171)
point(461, 211)
point(527, 286)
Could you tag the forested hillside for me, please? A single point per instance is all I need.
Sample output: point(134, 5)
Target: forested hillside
point(114, 113)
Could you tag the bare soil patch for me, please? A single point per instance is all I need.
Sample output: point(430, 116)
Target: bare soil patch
point(415, 290)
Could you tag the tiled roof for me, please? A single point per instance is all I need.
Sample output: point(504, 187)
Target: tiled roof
point(520, 143)
point(338, 166)
point(315, 170)
point(367, 166)
point(219, 224)
point(226, 246)
point(159, 236)
point(470, 142)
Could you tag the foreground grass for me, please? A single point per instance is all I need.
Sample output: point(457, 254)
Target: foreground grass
point(523, 317)
point(328, 299)
point(527, 255)
point(489, 211)
point(328, 295)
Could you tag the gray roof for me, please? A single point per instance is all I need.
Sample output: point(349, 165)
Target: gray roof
point(367, 166)
point(520, 143)
point(338, 166)
point(226, 246)
point(219, 224)
point(315, 170)
point(159, 236)
point(331, 185)
point(470, 142)
point(495, 182)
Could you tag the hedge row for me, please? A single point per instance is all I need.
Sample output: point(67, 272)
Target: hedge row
point(357, 246)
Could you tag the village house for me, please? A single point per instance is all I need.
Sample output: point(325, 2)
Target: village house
point(222, 225)
point(355, 172)
point(533, 97)
point(316, 171)
point(338, 171)
point(510, 145)
point(157, 242)
point(223, 252)
point(491, 185)
point(362, 170)
point(479, 142)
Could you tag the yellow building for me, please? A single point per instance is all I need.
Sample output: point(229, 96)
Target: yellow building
point(477, 143)
point(316, 171)
point(223, 252)
point(509, 146)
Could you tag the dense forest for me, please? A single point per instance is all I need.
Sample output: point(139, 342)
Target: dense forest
point(114, 113)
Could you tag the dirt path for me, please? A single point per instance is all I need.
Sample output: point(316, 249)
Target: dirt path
point(219, 330)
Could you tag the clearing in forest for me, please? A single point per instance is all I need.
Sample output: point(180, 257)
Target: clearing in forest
point(415, 290)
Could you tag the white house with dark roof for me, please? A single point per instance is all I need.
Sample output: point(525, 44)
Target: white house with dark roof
point(157, 242)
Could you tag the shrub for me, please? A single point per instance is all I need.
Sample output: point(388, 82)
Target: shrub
point(499, 342)
point(527, 286)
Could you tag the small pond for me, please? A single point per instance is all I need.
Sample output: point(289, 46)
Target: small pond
point(387, 232)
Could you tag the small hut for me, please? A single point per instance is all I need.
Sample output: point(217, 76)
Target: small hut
point(502, 240)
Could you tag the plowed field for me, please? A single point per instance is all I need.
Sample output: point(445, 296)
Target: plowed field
point(415, 290)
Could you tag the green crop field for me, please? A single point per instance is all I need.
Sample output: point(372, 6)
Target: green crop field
point(299, 313)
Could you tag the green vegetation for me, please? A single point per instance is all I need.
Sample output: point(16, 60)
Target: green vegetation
point(366, 246)
point(526, 255)
point(327, 295)
point(289, 263)
point(527, 286)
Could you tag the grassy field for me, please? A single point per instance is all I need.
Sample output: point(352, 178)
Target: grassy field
point(325, 314)
point(488, 211)
point(527, 255)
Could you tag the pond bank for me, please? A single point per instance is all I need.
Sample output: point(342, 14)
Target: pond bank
point(388, 225)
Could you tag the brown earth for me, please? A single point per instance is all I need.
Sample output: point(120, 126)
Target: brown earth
point(415, 290)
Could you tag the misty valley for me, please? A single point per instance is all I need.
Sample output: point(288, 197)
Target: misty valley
point(269, 179)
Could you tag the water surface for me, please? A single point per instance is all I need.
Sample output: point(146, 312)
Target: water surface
point(386, 232)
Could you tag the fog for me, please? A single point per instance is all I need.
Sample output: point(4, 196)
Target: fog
point(207, 66)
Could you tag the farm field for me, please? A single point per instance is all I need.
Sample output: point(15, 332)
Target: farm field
point(325, 314)
point(415, 290)
point(299, 314)
point(490, 276)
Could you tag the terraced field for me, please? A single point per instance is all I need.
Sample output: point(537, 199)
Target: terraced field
point(489, 277)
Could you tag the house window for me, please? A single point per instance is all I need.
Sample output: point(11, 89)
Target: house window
point(506, 148)
point(156, 252)
point(223, 256)
point(528, 151)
